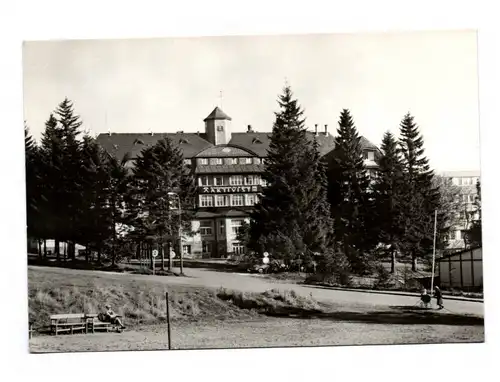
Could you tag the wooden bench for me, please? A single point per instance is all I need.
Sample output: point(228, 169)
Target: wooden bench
point(93, 323)
point(68, 323)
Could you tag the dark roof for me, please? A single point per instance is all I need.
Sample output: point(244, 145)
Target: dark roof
point(253, 141)
point(217, 113)
point(192, 144)
point(119, 144)
point(230, 169)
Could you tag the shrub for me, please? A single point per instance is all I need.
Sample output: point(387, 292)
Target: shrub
point(382, 277)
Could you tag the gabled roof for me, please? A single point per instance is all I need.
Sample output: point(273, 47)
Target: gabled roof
point(119, 144)
point(217, 113)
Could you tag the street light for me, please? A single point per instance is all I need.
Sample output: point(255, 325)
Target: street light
point(180, 229)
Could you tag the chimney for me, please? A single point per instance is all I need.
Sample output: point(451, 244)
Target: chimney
point(249, 129)
point(316, 129)
point(326, 129)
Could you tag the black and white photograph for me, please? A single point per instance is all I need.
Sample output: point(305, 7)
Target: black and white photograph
point(293, 190)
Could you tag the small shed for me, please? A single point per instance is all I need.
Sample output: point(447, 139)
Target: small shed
point(463, 269)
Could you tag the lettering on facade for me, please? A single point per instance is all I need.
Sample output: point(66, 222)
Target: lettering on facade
point(228, 189)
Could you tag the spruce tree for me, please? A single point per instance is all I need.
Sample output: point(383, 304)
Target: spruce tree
point(33, 196)
point(349, 195)
point(291, 217)
point(422, 196)
point(71, 181)
point(52, 168)
point(388, 198)
point(158, 171)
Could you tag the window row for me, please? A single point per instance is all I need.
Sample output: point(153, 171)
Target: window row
point(229, 161)
point(207, 227)
point(465, 181)
point(234, 180)
point(228, 200)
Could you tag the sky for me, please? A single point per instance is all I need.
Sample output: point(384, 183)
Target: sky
point(172, 84)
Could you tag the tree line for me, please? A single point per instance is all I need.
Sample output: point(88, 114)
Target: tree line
point(328, 209)
point(79, 193)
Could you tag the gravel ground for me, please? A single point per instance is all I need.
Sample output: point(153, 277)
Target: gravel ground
point(270, 332)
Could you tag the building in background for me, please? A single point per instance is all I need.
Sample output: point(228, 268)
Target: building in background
point(228, 167)
point(466, 182)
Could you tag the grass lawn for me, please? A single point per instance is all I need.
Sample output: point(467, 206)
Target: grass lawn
point(210, 318)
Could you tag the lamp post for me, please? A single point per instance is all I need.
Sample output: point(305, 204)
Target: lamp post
point(180, 230)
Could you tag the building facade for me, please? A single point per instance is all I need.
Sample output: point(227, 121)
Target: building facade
point(228, 167)
point(466, 182)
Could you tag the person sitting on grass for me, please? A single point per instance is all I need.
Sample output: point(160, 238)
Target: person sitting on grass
point(113, 318)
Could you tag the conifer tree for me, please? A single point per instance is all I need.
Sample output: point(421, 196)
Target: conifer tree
point(33, 181)
point(388, 198)
point(291, 217)
point(349, 195)
point(158, 171)
point(71, 180)
point(52, 168)
point(421, 195)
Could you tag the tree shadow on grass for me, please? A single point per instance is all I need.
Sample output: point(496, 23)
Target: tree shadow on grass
point(398, 315)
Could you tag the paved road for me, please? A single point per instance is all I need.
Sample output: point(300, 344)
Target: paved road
point(254, 283)
point(251, 283)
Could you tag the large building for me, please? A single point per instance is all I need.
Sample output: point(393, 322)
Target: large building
point(228, 167)
point(466, 182)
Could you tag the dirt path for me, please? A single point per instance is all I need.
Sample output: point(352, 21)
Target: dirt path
point(272, 332)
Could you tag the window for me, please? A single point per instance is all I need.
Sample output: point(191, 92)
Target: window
point(263, 182)
point(237, 200)
point(238, 248)
point(221, 227)
point(206, 201)
point(206, 247)
point(187, 162)
point(186, 249)
point(236, 226)
point(256, 160)
point(251, 199)
point(458, 235)
point(232, 161)
point(203, 161)
point(215, 161)
point(218, 181)
point(203, 180)
point(205, 227)
point(262, 160)
point(220, 128)
point(221, 200)
point(249, 180)
point(245, 160)
point(236, 180)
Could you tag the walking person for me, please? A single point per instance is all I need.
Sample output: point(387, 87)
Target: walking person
point(439, 297)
